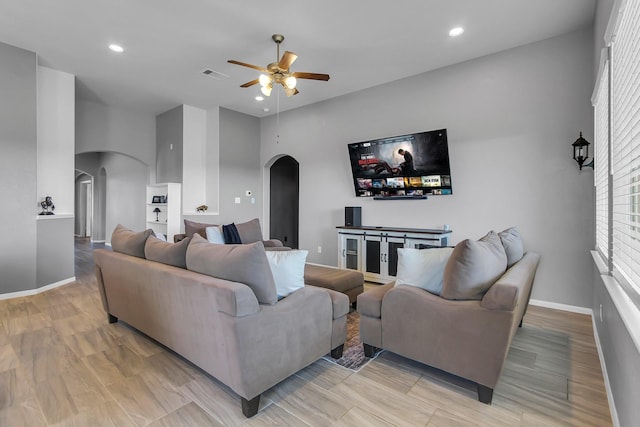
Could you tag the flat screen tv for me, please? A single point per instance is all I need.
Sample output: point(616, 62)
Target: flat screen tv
point(401, 167)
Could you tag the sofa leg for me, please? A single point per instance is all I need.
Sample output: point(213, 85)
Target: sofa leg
point(250, 407)
point(485, 394)
point(355, 305)
point(336, 353)
point(111, 318)
point(369, 350)
point(520, 325)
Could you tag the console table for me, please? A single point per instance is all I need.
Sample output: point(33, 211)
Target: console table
point(374, 250)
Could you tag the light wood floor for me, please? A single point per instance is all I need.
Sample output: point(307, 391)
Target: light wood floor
point(62, 364)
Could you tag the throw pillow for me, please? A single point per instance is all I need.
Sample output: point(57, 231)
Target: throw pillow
point(423, 268)
point(239, 263)
point(167, 253)
point(287, 268)
point(214, 235)
point(250, 231)
point(128, 241)
point(473, 267)
point(513, 247)
point(160, 236)
point(230, 233)
point(191, 228)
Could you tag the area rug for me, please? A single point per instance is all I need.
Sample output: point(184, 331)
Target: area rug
point(353, 354)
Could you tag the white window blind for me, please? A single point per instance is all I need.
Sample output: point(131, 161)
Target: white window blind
point(626, 145)
point(601, 181)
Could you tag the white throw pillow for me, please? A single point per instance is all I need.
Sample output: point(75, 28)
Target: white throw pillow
point(287, 268)
point(214, 235)
point(423, 268)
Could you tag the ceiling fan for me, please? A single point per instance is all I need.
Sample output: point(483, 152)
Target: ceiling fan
point(278, 72)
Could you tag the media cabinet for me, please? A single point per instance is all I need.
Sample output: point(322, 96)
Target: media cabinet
point(374, 250)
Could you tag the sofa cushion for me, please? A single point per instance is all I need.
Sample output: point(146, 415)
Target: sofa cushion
point(214, 235)
point(238, 263)
point(423, 268)
point(287, 268)
point(167, 253)
point(473, 267)
point(250, 231)
point(191, 228)
point(128, 241)
point(513, 247)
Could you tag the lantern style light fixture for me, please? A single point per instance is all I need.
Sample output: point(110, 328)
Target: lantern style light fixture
point(157, 212)
point(581, 152)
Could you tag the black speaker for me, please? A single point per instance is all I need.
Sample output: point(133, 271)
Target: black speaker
point(353, 216)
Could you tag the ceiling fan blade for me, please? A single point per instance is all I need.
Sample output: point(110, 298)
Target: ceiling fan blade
point(286, 60)
point(244, 64)
point(251, 83)
point(310, 76)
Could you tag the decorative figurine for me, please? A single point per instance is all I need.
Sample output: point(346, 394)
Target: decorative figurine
point(47, 206)
point(202, 208)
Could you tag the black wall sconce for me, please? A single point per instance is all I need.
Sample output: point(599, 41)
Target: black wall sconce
point(157, 212)
point(581, 152)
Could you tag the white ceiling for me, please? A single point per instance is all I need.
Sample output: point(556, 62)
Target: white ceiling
point(359, 43)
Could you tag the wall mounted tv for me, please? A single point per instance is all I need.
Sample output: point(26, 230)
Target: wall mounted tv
point(402, 167)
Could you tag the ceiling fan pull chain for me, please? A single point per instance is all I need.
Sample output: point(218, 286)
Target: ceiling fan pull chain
point(278, 117)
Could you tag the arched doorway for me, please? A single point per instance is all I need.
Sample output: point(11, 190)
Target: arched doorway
point(284, 195)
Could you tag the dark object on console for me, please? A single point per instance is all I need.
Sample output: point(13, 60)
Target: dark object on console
point(352, 216)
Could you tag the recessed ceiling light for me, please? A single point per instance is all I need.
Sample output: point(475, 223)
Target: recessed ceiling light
point(266, 110)
point(455, 32)
point(116, 48)
point(259, 98)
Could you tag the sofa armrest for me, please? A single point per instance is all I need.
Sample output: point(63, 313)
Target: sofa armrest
point(178, 237)
point(272, 243)
point(370, 302)
point(501, 296)
point(339, 302)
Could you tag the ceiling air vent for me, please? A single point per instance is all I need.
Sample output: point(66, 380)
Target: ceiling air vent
point(215, 74)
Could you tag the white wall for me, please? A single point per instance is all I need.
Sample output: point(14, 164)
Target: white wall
point(194, 166)
point(511, 119)
point(56, 138)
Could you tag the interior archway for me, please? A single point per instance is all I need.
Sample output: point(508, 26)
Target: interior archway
point(284, 196)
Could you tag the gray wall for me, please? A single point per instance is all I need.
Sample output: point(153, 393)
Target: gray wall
point(55, 255)
point(18, 144)
point(101, 128)
point(620, 354)
point(123, 143)
point(169, 145)
point(511, 119)
point(240, 168)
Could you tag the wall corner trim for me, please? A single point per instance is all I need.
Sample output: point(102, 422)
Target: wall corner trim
point(37, 291)
point(607, 385)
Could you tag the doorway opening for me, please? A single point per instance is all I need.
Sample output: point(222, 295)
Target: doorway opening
point(284, 198)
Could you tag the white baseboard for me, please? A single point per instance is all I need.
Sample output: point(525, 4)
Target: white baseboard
point(563, 307)
point(97, 241)
point(36, 291)
point(607, 385)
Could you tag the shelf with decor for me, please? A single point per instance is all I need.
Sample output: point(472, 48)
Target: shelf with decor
point(163, 208)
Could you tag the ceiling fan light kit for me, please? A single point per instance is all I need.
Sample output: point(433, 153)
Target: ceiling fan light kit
point(278, 72)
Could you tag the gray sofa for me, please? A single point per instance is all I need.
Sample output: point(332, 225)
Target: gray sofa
point(219, 324)
point(469, 338)
point(249, 231)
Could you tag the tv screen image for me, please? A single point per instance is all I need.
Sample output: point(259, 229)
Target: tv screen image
point(413, 165)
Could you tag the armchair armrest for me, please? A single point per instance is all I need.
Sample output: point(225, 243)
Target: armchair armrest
point(339, 302)
point(272, 243)
point(501, 296)
point(370, 302)
point(178, 237)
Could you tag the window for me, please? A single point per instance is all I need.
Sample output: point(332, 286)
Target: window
point(601, 163)
point(624, 147)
